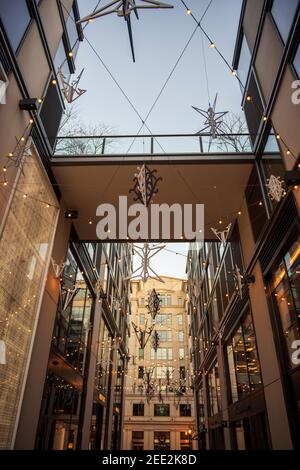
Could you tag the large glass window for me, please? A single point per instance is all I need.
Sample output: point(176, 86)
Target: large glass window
point(185, 441)
point(283, 13)
point(15, 19)
point(185, 410)
point(296, 62)
point(162, 353)
point(256, 206)
point(161, 440)
point(25, 245)
point(137, 440)
point(165, 335)
point(214, 391)
point(285, 288)
point(165, 299)
point(161, 410)
point(73, 317)
point(161, 372)
point(242, 357)
point(163, 319)
point(138, 409)
point(244, 62)
point(254, 109)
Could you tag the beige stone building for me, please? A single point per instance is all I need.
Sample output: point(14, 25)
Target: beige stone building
point(162, 421)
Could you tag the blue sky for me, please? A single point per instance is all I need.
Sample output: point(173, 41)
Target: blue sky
point(159, 38)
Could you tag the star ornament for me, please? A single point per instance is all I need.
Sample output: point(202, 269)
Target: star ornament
point(275, 187)
point(123, 9)
point(213, 120)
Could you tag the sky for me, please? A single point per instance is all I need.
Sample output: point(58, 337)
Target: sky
point(171, 261)
point(159, 38)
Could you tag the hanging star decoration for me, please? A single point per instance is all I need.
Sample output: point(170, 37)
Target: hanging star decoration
point(70, 294)
point(144, 271)
point(71, 91)
point(222, 235)
point(275, 187)
point(153, 305)
point(213, 120)
point(242, 280)
point(145, 185)
point(58, 269)
point(123, 9)
point(18, 157)
point(143, 335)
point(155, 341)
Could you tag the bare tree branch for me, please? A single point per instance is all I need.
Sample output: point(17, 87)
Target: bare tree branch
point(85, 145)
point(234, 124)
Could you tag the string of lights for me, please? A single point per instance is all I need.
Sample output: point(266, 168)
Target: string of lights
point(234, 73)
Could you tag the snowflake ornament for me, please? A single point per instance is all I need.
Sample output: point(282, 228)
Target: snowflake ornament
point(275, 187)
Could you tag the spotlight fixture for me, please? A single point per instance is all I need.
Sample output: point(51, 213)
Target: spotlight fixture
point(71, 214)
point(29, 104)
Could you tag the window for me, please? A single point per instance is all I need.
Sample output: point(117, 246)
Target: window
point(182, 375)
point(142, 301)
point(138, 409)
point(137, 440)
point(181, 336)
point(185, 410)
point(141, 372)
point(141, 353)
point(163, 319)
point(162, 353)
point(296, 62)
point(165, 335)
point(165, 299)
point(161, 372)
point(51, 113)
point(244, 62)
point(214, 391)
point(180, 319)
point(161, 440)
point(283, 14)
point(285, 288)
point(161, 410)
point(242, 358)
point(256, 207)
point(181, 353)
point(185, 441)
point(254, 114)
point(15, 20)
point(142, 319)
point(72, 31)
point(180, 301)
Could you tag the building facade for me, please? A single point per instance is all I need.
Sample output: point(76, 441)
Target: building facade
point(64, 303)
point(245, 328)
point(159, 405)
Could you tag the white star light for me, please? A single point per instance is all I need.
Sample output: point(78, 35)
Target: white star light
point(213, 120)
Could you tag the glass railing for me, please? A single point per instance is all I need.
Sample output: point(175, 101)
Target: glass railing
point(152, 145)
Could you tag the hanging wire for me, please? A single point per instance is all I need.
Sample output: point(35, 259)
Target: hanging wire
point(170, 74)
